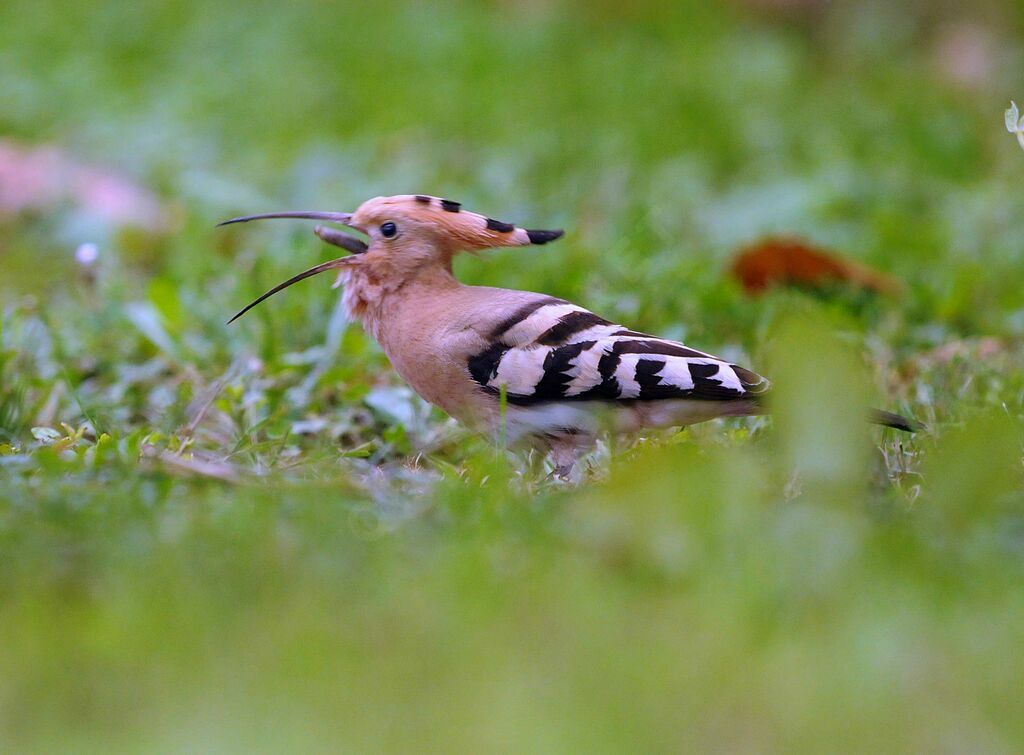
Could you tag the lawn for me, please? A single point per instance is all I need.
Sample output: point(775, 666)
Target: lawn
point(255, 538)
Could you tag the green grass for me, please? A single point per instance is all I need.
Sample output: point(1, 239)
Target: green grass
point(253, 537)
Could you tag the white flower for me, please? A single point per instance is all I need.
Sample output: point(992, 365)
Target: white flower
point(1014, 122)
point(87, 254)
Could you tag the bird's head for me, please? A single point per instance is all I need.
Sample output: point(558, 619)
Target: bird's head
point(417, 224)
point(406, 231)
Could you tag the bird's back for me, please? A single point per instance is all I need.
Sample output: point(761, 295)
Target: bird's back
point(557, 363)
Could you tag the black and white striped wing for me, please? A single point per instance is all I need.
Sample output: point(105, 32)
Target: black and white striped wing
point(551, 350)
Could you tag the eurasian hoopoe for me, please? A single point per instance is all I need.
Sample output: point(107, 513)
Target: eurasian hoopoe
point(561, 372)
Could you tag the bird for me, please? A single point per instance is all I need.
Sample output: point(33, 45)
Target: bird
point(526, 367)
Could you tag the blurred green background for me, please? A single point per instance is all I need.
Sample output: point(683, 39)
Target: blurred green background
point(255, 537)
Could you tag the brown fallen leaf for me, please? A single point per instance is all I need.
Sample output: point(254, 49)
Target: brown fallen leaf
point(193, 464)
point(779, 261)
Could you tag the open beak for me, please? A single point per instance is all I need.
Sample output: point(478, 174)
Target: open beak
point(331, 236)
point(321, 268)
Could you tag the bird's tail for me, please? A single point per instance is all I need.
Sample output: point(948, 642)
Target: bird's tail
point(889, 419)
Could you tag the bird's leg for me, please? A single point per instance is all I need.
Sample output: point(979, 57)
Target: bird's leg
point(563, 472)
point(565, 452)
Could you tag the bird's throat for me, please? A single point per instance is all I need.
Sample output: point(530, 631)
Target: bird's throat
point(371, 286)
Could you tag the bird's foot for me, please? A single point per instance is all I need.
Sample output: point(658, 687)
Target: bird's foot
point(562, 472)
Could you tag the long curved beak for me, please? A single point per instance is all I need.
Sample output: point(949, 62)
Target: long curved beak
point(321, 268)
point(344, 218)
point(337, 238)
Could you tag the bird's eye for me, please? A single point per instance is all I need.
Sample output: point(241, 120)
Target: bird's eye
point(388, 230)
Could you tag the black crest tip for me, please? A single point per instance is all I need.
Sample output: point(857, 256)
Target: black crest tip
point(543, 237)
